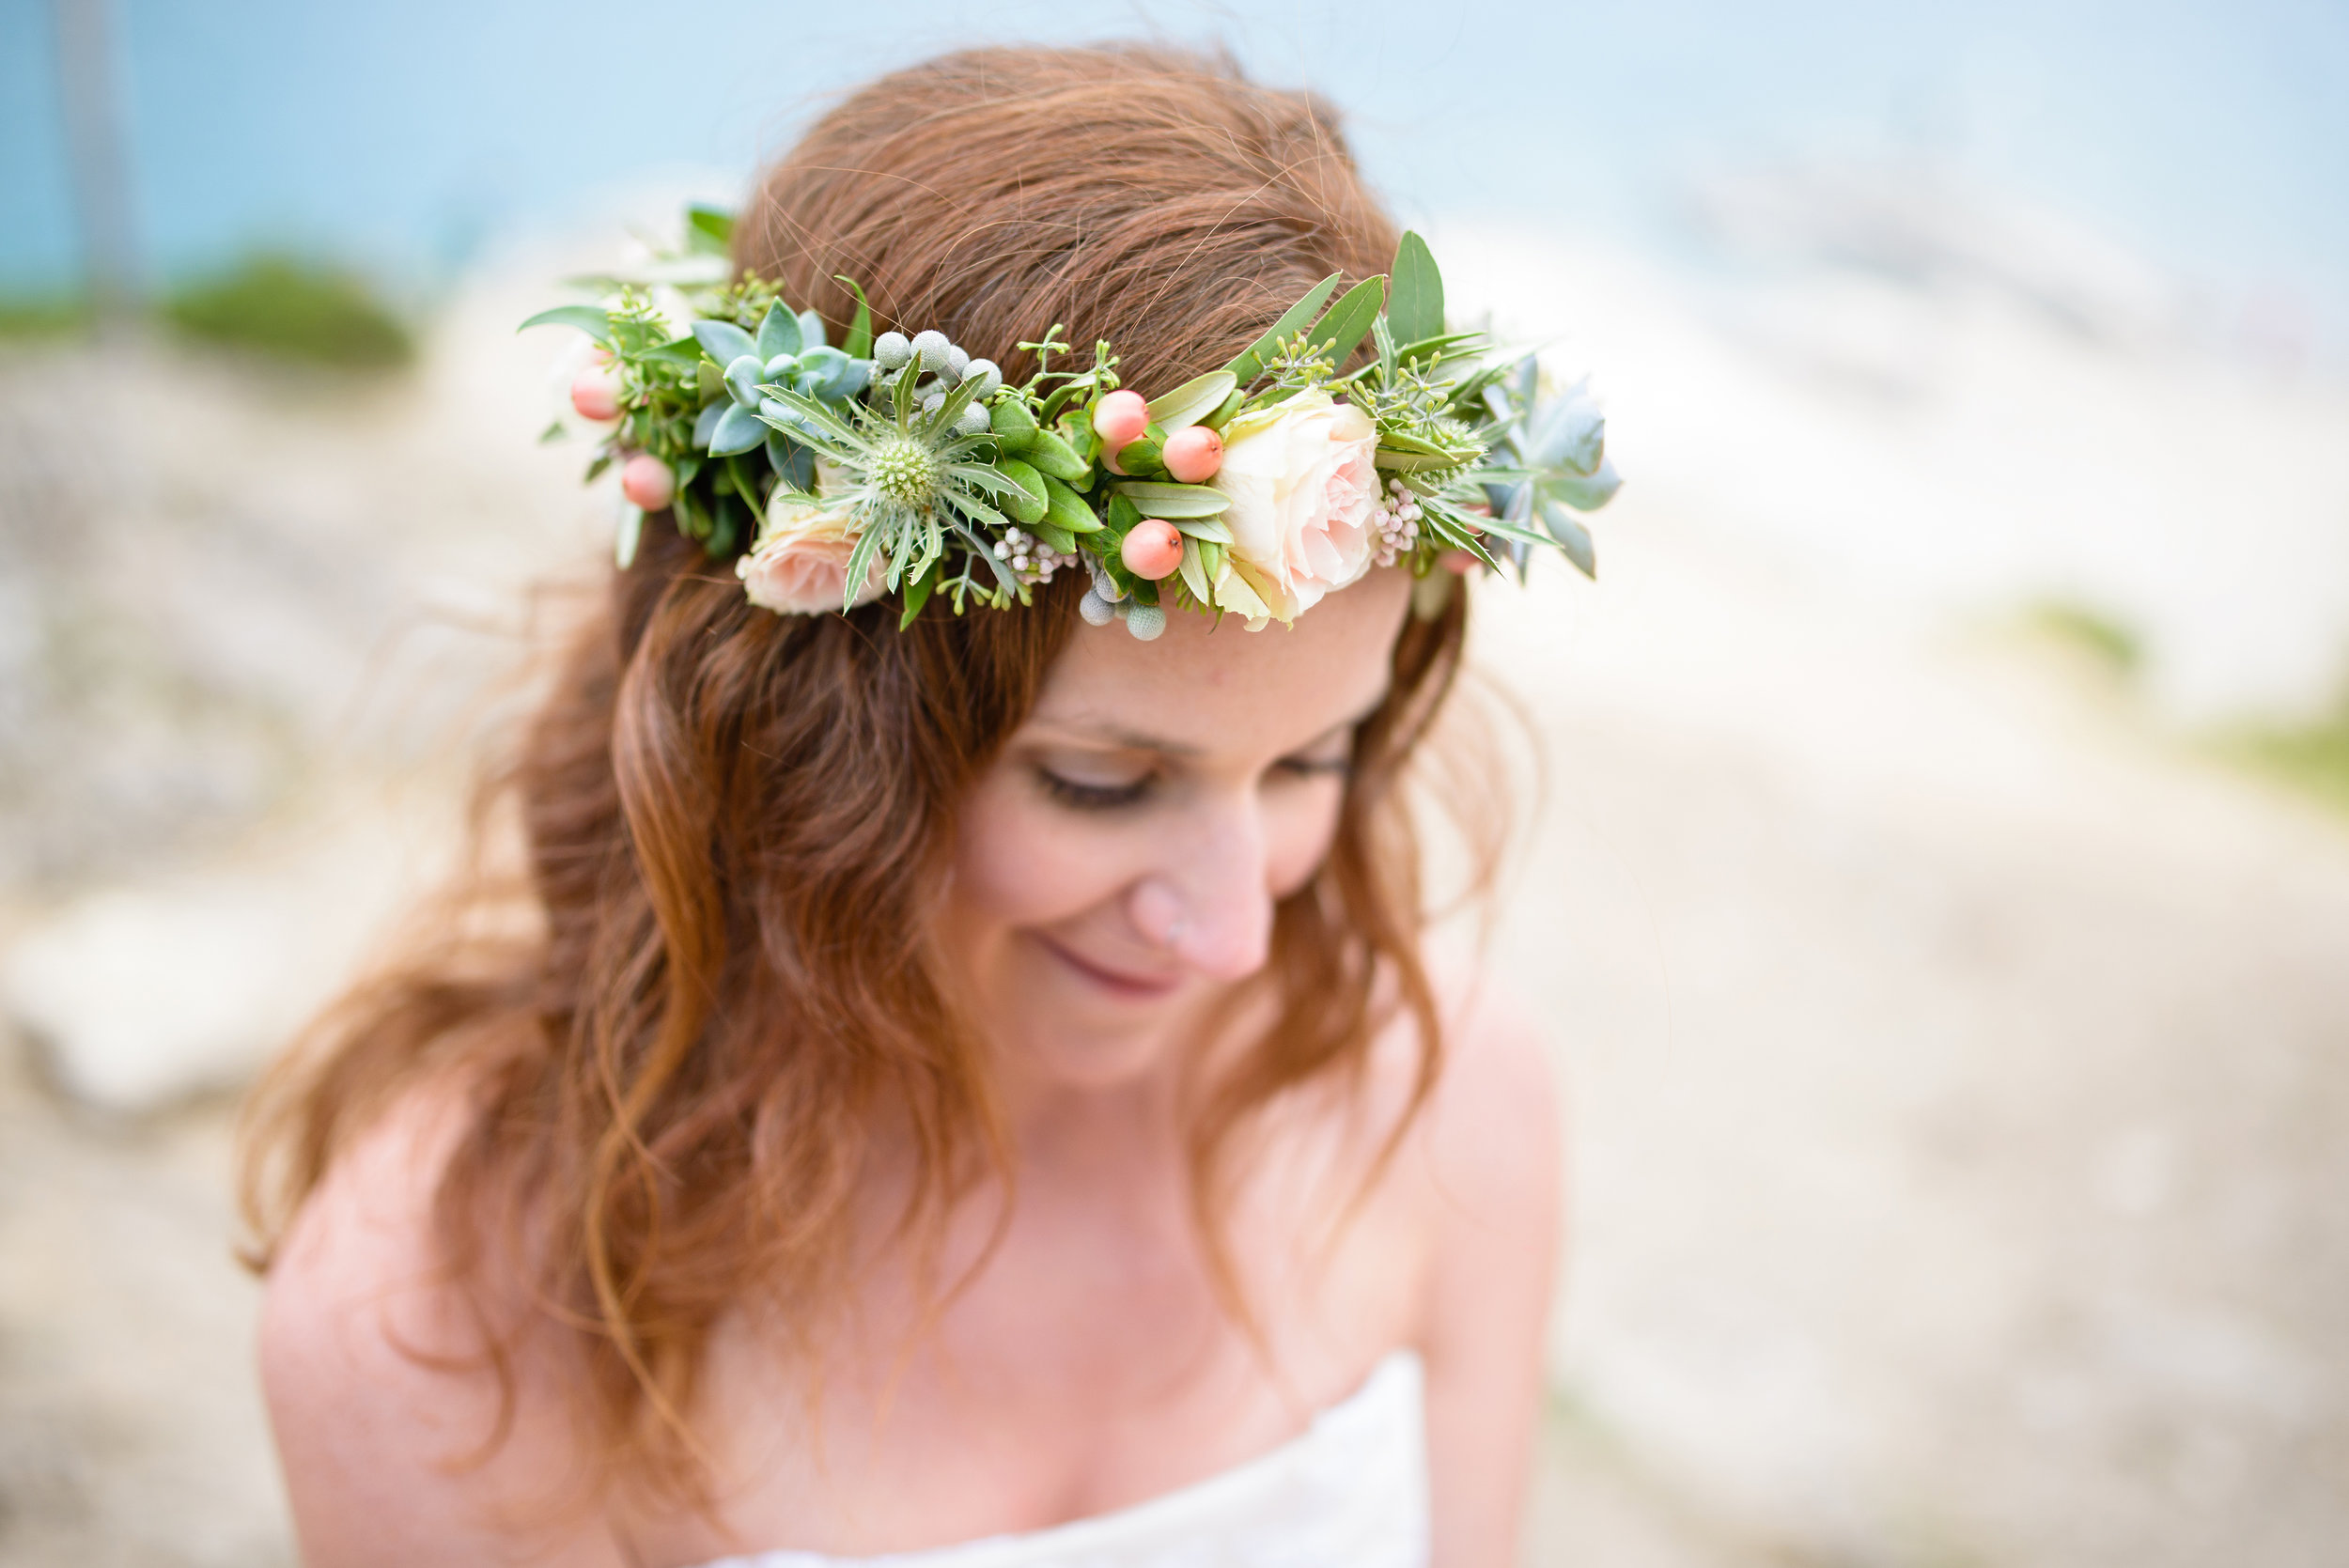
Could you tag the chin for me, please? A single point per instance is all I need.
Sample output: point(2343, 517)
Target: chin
point(1085, 1024)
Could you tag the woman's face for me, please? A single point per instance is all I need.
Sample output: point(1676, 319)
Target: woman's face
point(1117, 864)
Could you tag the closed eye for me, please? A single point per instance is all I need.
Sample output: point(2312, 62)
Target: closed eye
point(1093, 797)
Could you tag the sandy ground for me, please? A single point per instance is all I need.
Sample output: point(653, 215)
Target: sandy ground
point(1957, 1059)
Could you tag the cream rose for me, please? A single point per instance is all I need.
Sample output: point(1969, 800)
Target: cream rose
point(1304, 512)
point(800, 565)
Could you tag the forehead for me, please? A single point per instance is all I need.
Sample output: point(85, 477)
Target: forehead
point(1220, 690)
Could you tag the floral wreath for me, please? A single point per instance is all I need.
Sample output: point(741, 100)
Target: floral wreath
point(897, 464)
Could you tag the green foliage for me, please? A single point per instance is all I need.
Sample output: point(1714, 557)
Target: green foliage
point(295, 309)
point(25, 317)
point(2312, 757)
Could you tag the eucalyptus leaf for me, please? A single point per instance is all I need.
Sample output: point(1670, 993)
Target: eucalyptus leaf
point(1415, 307)
point(724, 342)
point(1193, 400)
point(1214, 529)
point(1250, 363)
point(1173, 501)
point(1338, 334)
point(1194, 573)
point(591, 320)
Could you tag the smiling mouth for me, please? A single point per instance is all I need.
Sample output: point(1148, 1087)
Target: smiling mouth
point(1116, 982)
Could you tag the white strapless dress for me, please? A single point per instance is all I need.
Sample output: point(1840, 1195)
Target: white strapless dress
point(1350, 1492)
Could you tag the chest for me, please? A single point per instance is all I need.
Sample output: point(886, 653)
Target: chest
point(1088, 1359)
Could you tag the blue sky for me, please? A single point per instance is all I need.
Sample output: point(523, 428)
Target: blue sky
point(2216, 140)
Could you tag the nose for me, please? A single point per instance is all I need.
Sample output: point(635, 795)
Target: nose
point(1209, 901)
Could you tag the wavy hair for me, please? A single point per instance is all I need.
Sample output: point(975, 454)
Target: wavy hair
point(736, 825)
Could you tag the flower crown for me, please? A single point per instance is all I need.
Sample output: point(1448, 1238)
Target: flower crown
point(901, 465)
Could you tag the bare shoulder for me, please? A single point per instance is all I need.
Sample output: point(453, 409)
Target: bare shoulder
point(1489, 1140)
point(385, 1407)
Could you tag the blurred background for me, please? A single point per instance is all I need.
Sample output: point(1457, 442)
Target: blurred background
point(1937, 882)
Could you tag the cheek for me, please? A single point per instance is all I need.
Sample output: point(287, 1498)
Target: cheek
point(1300, 823)
point(1016, 862)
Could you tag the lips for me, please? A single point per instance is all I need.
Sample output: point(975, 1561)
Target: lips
point(1116, 982)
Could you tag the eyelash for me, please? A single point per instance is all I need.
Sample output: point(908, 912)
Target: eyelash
point(1085, 797)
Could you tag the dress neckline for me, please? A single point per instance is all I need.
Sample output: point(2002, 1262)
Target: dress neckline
point(1384, 1414)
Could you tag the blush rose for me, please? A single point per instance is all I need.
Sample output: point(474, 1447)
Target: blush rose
point(801, 563)
point(1303, 484)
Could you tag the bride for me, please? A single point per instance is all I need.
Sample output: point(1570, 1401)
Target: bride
point(969, 1091)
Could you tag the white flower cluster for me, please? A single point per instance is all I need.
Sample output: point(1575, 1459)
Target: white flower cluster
point(1029, 558)
point(1398, 521)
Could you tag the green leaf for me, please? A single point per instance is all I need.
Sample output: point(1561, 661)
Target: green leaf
point(722, 341)
point(1415, 462)
point(737, 430)
point(1195, 572)
point(860, 340)
point(1415, 308)
point(632, 533)
point(1057, 537)
point(825, 423)
point(1193, 400)
point(1213, 530)
point(979, 548)
point(1029, 500)
point(1068, 511)
point(860, 563)
point(1250, 363)
point(1055, 456)
point(684, 352)
point(1583, 494)
point(591, 320)
point(778, 332)
point(903, 401)
point(810, 331)
point(918, 594)
point(1173, 501)
point(1572, 537)
point(951, 410)
point(710, 229)
point(1342, 330)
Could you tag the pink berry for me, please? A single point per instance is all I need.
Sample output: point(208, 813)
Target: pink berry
point(595, 395)
point(1152, 548)
point(1193, 454)
point(1119, 418)
point(649, 482)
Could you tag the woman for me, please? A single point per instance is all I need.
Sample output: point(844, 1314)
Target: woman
point(969, 1091)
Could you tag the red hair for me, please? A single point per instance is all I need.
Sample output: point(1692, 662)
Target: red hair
point(737, 823)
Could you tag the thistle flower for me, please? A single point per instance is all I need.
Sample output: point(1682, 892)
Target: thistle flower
point(913, 479)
